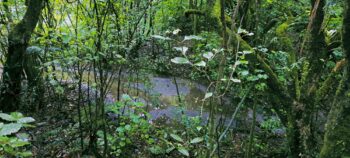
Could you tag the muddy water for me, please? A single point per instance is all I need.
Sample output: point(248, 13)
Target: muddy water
point(159, 94)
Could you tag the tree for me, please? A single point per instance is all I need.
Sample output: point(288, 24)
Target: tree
point(337, 136)
point(18, 40)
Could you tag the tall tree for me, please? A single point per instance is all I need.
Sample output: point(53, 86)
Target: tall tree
point(18, 40)
point(337, 137)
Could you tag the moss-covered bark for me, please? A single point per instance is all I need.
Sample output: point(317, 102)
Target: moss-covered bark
point(18, 39)
point(337, 136)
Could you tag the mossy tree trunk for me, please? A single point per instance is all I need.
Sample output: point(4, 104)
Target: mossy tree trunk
point(337, 136)
point(18, 39)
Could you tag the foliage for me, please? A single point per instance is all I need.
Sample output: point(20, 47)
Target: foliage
point(11, 145)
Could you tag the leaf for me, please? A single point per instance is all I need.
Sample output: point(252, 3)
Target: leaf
point(183, 50)
point(208, 55)
point(26, 120)
point(7, 117)
point(17, 115)
point(26, 154)
point(126, 97)
point(175, 32)
point(10, 128)
point(196, 140)
point(176, 137)
point(161, 37)
point(34, 50)
point(180, 60)
point(235, 80)
point(192, 37)
point(208, 95)
point(201, 64)
point(18, 143)
point(183, 151)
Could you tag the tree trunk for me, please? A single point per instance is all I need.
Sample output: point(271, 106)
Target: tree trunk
point(337, 136)
point(18, 39)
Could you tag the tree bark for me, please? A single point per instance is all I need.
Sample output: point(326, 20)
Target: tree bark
point(337, 136)
point(18, 40)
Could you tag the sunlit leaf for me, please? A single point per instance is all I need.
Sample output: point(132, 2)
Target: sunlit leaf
point(236, 80)
point(183, 50)
point(26, 120)
point(7, 117)
point(180, 60)
point(208, 55)
point(196, 140)
point(201, 64)
point(8, 129)
point(208, 95)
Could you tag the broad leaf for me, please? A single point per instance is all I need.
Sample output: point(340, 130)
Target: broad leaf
point(7, 117)
point(180, 60)
point(10, 128)
point(26, 120)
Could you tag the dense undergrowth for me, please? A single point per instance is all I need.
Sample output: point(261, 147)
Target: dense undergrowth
point(171, 78)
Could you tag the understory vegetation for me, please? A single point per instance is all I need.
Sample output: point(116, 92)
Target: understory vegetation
point(175, 78)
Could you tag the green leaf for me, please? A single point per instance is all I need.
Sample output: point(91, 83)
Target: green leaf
point(196, 140)
point(18, 143)
point(208, 55)
point(7, 117)
point(183, 151)
point(180, 60)
point(201, 64)
point(10, 128)
point(26, 120)
point(34, 50)
point(26, 154)
point(176, 137)
point(17, 115)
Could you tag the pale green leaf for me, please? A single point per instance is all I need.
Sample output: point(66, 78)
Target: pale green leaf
point(176, 137)
point(201, 64)
point(8, 129)
point(183, 151)
point(235, 80)
point(208, 55)
point(196, 140)
point(180, 60)
point(7, 117)
point(208, 95)
point(26, 120)
point(192, 37)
